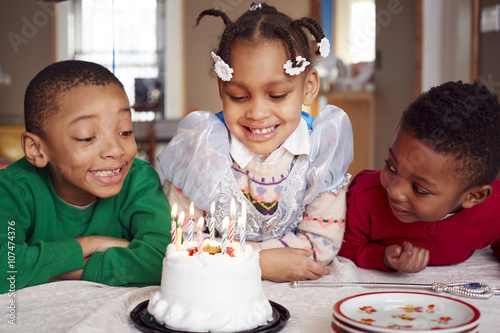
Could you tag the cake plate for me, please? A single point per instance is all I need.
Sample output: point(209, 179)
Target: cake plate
point(145, 322)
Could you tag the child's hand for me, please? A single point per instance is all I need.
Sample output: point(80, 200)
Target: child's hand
point(290, 264)
point(91, 244)
point(409, 259)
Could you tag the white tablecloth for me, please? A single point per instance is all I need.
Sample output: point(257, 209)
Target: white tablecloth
point(79, 306)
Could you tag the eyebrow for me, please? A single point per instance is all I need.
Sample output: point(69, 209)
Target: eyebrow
point(270, 84)
point(91, 116)
point(84, 117)
point(422, 179)
point(425, 181)
point(280, 81)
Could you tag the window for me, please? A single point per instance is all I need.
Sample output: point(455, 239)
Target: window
point(362, 31)
point(355, 31)
point(126, 36)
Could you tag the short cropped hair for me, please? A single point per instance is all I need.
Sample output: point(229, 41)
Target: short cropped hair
point(461, 120)
point(43, 94)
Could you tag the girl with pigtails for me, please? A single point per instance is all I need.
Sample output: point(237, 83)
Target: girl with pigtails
point(287, 168)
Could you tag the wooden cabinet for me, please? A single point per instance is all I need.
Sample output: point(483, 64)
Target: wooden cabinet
point(359, 106)
point(10, 142)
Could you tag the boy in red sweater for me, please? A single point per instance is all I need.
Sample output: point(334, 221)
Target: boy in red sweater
point(437, 199)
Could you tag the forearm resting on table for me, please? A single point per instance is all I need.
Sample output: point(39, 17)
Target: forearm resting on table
point(90, 245)
point(323, 226)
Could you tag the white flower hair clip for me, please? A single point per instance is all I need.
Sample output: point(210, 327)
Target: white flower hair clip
point(290, 70)
point(324, 47)
point(224, 72)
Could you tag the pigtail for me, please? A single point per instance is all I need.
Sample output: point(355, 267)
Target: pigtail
point(216, 13)
point(289, 42)
point(311, 25)
point(228, 32)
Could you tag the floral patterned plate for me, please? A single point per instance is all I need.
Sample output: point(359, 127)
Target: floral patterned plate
point(406, 311)
point(340, 327)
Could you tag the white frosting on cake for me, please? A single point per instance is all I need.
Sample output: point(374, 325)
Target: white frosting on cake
point(210, 292)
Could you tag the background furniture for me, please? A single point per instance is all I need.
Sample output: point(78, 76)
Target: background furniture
point(10, 144)
point(359, 106)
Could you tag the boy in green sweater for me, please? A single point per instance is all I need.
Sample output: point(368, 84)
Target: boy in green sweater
point(79, 205)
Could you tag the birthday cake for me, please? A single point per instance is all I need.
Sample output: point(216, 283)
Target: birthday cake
point(210, 291)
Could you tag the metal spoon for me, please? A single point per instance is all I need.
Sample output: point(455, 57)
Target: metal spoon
point(467, 289)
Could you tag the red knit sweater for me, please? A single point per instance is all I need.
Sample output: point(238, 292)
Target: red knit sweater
point(371, 227)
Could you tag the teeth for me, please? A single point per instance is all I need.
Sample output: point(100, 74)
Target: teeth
point(262, 130)
point(106, 173)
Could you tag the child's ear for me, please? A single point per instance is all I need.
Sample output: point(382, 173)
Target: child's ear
point(34, 149)
point(477, 195)
point(311, 88)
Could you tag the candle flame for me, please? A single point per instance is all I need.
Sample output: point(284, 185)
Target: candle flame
point(225, 223)
point(212, 208)
point(201, 221)
point(243, 211)
point(233, 207)
point(191, 210)
point(181, 218)
point(241, 221)
point(173, 213)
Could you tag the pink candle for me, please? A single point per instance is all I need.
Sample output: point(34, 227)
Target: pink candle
point(191, 222)
point(231, 231)
point(211, 225)
point(173, 225)
point(225, 224)
point(231, 225)
point(242, 222)
point(200, 235)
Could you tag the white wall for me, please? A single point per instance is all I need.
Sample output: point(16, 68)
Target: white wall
point(26, 47)
point(446, 49)
point(174, 58)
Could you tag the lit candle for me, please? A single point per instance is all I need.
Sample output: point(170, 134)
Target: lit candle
point(180, 222)
point(178, 239)
point(211, 226)
point(231, 226)
point(242, 223)
point(191, 222)
point(225, 225)
point(173, 225)
point(201, 221)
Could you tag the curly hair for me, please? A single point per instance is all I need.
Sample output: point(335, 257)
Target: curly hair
point(41, 100)
point(266, 23)
point(461, 120)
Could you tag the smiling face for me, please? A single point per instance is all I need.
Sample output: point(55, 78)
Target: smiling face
point(421, 184)
point(89, 144)
point(262, 104)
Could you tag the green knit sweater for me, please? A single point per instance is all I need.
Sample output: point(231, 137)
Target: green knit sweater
point(38, 230)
